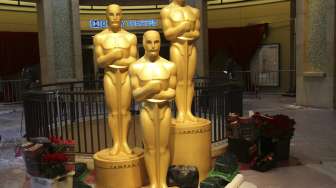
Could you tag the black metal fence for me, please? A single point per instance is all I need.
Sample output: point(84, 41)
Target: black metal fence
point(77, 111)
point(256, 82)
point(281, 81)
point(12, 90)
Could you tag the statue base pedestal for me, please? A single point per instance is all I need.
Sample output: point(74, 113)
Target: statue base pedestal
point(190, 144)
point(120, 171)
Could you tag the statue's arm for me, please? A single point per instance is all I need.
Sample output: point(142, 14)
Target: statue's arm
point(133, 53)
point(171, 32)
point(145, 92)
point(170, 92)
point(102, 59)
point(196, 32)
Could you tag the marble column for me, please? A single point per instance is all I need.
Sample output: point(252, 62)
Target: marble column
point(202, 43)
point(315, 48)
point(59, 40)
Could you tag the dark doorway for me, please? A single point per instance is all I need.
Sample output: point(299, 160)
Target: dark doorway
point(87, 54)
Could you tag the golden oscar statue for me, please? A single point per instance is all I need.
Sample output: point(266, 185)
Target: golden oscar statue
point(192, 136)
point(115, 50)
point(153, 80)
point(181, 26)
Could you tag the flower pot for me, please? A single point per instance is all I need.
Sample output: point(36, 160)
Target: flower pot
point(32, 157)
point(65, 181)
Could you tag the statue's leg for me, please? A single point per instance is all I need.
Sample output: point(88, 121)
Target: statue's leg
point(125, 113)
point(148, 132)
point(164, 144)
point(176, 56)
point(110, 91)
point(190, 91)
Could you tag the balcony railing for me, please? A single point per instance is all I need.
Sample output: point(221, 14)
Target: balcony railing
point(77, 111)
point(256, 82)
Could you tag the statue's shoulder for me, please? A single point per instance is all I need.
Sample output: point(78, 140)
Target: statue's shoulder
point(129, 36)
point(101, 35)
point(168, 64)
point(141, 61)
point(139, 64)
point(166, 61)
point(166, 10)
point(193, 9)
point(167, 7)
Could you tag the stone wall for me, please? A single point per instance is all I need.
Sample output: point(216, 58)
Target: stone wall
point(315, 47)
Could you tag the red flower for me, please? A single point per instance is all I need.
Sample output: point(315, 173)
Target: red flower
point(59, 140)
point(55, 139)
point(275, 126)
point(55, 157)
point(69, 142)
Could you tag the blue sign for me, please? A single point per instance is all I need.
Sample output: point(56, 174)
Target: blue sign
point(100, 24)
point(140, 23)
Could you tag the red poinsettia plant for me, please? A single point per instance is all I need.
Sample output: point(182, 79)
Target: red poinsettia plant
point(54, 161)
point(60, 145)
point(59, 140)
point(277, 126)
point(55, 158)
point(50, 159)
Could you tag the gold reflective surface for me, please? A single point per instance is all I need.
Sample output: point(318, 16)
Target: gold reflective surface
point(181, 26)
point(153, 80)
point(115, 50)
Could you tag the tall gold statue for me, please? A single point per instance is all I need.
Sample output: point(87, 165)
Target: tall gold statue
point(115, 50)
point(191, 143)
point(153, 80)
point(181, 26)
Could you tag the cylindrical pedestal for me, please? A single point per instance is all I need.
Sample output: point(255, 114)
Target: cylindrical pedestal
point(117, 172)
point(190, 144)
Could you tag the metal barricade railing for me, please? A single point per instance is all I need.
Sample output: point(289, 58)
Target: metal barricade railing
point(77, 111)
point(255, 82)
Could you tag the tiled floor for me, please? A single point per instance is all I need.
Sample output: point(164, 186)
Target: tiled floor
point(12, 170)
point(313, 144)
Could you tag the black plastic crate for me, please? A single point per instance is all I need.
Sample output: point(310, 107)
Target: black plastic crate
point(280, 147)
point(243, 149)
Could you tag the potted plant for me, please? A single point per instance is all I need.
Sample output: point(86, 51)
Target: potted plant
point(275, 133)
point(47, 162)
point(242, 137)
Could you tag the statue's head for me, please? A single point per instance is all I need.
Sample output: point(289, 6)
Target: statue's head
point(179, 2)
point(152, 44)
point(113, 15)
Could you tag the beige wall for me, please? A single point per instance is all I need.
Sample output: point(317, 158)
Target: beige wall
point(276, 14)
point(18, 21)
point(315, 53)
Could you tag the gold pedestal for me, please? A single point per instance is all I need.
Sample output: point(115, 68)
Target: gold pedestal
point(119, 172)
point(190, 144)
